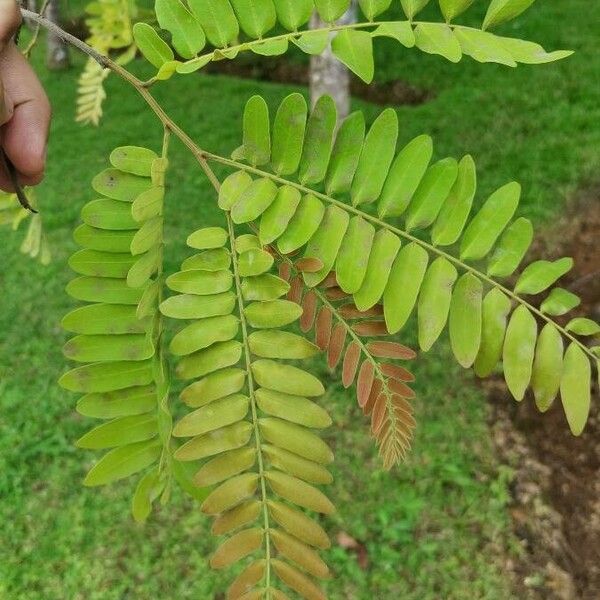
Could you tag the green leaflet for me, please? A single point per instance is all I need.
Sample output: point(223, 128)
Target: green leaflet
point(281, 345)
point(346, 154)
point(455, 211)
point(397, 30)
point(103, 290)
point(201, 283)
point(465, 319)
point(373, 8)
point(274, 47)
point(530, 53)
point(225, 466)
point(275, 220)
point(264, 288)
point(277, 313)
point(256, 17)
point(412, 7)
point(297, 466)
point(230, 494)
point(303, 224)
point(496, 308)
point(375, 159)
point(575, 388)
point(298, 440)
point(218, 356)
point(354, 48)
point(148, 236)
point(123, 462)
point(214, 416)
point(312, 42)
point(483, 46)
point(254, 201)
point(487, 225)
point(96, 348)
point(297, 491)
point(296, 409)
point(254, 262)
point(146, 266)
point(134, 160)
point(187, 35)
point(198, 307)
point(511, 249)
point(292, 14)
point(286, 378)
point(155, 50)
point(582, 326)
point(519, 351)
point(540, 275)
point(298, 524)
point(431, 194)
point(120, 432)
point(208, 238)
point(215, 442)
point(288, 134)
point(122, 403)
point(109, 215)
point(256, 147)
point(148, 303)
point(107, 377)
point(353, 256)
point(101, 264)
point(326, 242)
point(434, 301)
point(318, 141)
point(148, 204)
point(203, 333)
point(438, 38)
point(216, 259)
point(547, 367)
point(382, 257)
point(103, 240)
point(453, 8)
point(246, 242)
point(560, 302)
point(214, 387)
point(149, 488)
point(403, 286)
point(504, 10)
point(217, 19)
point(404, 177)
point(191, 66)
point(232, 189)
point(331, 10)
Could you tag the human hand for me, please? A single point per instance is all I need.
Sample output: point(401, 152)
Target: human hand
point(24, 107)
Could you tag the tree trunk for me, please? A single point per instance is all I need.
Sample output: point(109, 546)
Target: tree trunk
point(327, 74)
point(57, 53)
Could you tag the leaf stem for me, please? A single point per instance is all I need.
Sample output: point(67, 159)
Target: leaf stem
point(251, 392)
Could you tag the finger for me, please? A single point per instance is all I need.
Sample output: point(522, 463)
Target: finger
point(10, 19)
point(25, 136)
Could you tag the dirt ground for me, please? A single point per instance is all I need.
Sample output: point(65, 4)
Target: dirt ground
point(556, 491)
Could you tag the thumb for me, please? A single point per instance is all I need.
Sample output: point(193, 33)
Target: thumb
point(10, 19)
point(6, 106)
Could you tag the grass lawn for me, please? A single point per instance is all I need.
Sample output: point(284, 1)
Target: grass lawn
point(433, 529)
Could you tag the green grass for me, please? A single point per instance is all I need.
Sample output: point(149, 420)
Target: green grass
point(435, 528)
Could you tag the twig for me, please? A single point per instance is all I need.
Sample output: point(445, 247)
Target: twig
point(6, 164)
point(36, 32)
